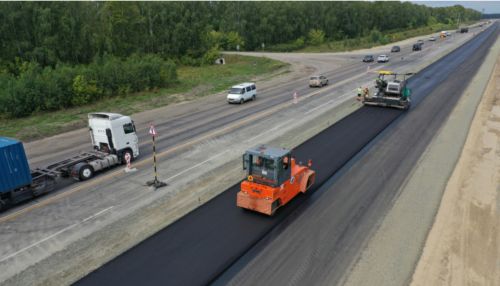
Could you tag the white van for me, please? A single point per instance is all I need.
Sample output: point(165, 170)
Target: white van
point(242, 92)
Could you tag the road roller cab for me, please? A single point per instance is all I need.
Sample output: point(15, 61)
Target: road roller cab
point(273, 179)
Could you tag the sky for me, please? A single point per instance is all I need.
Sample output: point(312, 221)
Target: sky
point(490, 7)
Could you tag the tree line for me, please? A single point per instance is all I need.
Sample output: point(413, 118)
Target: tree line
point(38, 38)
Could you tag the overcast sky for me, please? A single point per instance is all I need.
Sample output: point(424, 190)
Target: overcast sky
point(488, 6)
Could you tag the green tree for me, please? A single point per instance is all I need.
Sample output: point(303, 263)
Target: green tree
point(316, 37)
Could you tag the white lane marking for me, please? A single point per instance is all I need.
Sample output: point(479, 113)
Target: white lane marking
point(55, 234)
point(197, 165)
point(97, 214)
point(270, 130)
point(330, 101)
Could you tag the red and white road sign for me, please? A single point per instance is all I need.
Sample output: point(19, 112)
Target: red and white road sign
point(127, 158)
point(152, 130)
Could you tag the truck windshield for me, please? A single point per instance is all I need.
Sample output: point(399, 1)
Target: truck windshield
point(236, 91)
point(263, 170)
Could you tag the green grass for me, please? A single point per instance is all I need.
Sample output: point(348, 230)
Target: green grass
point(366, 42)
point(192, 82)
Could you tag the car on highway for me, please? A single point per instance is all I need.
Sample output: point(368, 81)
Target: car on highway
point(318, 81)
point(368, 59)
point(420, 42)
point(432, 39)
point(417, 47)
point(242, 92)
point(395, 49)
point(382, 59)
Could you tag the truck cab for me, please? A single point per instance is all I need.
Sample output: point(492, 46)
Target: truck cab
point(114, 134)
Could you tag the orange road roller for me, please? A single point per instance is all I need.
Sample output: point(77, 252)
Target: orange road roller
point(273, 179)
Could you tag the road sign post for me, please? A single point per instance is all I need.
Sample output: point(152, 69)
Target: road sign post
point(155, 183)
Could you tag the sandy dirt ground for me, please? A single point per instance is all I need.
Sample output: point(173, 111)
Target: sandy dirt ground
point(463, 247)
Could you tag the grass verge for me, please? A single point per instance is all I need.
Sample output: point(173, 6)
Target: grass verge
point(193, 82)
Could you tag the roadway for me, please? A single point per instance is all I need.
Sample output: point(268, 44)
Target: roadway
point(329, 228)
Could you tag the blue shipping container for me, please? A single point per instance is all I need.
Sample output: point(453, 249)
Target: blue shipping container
point(14, 169)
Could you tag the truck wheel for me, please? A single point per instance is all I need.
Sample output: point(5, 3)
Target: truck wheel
point(86, 172)
point(3, 205)
point(276, 205)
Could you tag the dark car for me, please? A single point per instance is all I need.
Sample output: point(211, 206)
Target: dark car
point(417, 46)
point(395, 49)
point(464, 30)
point(368, 59)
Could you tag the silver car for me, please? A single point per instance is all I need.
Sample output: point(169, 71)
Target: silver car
point(318, 81)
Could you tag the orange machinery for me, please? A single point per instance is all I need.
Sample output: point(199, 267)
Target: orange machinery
point(273, 179)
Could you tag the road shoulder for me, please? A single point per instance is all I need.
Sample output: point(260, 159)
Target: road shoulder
point(463, 245)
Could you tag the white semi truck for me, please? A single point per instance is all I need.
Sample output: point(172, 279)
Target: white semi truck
point(113, 136)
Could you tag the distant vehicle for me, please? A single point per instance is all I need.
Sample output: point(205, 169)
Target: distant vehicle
point(432, 39)
point(382, 59)
point(420, 42)
point(443, 34)
point(395, 49)
point(242, 92)
point(114, 141)
point(368, 59)
point(417, 47)
point(318, 81)
point(464, 30)
point(447, 34)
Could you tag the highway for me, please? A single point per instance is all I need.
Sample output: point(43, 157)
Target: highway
point(317, 236)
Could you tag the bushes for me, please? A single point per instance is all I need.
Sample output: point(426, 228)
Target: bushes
point(288, 47)
point(37, 89)
point(316, 37)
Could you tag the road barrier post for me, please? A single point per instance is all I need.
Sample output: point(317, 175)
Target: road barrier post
point(155, 183)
